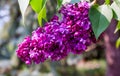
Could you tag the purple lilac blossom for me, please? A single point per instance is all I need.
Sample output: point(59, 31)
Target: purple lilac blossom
point(54, 41)
point(24, 49)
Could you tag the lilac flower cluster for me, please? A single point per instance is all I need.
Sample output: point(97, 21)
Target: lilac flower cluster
point(73, 33)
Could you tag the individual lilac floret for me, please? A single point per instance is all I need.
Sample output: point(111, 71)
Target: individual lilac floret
point(24, 49)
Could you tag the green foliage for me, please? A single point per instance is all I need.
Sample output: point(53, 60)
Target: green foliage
point(23, 4)
point(107, 2)
point(116, 11)
point(118, 43)
point(117, 27)
point(100, 17)
point(116, 8)
point(42, 15)
point(36, 5)
point(39, 6)
point(59, 3)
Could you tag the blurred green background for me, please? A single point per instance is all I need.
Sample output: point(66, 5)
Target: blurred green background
point(12, 31)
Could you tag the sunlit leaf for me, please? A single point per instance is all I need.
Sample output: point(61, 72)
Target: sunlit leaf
point(23, 4)
point(116, 8)
point(39, 6)
point(118, 43)
point(117, 27)
point(100, 17)
point(36, 5)
point(107, 2)
point(42, 15)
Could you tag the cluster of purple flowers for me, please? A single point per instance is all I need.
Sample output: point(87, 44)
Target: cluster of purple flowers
point(59, 37)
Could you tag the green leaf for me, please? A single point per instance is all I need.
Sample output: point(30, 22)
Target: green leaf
point(23, 4)
point(59, 3)
point(39, 6)
point(100, 17)
point(107, 2)
point(36, 5)
point(116, 8)
point(118, 43)
point(42, 14)
point(117, 27)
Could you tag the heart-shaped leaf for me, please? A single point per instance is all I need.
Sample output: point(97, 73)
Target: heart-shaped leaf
point(39, 6)
point(116, 8)
point(100, 17)
point(23, 4)
point(36, 5)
